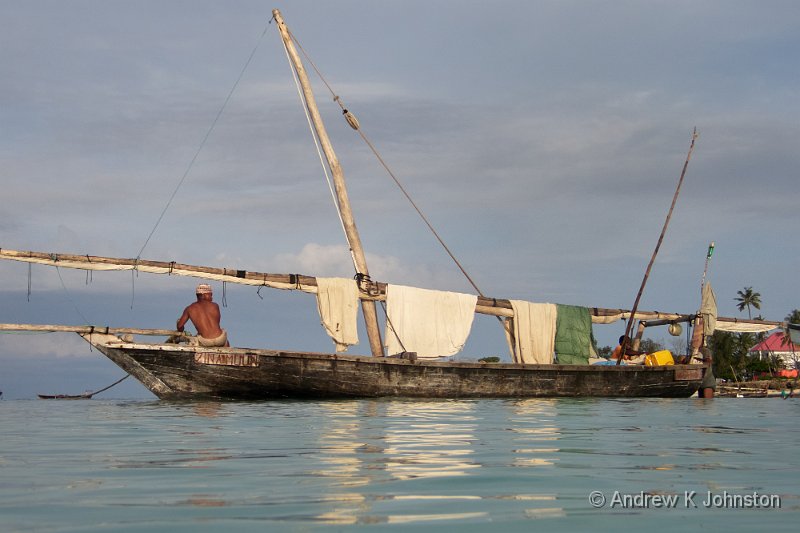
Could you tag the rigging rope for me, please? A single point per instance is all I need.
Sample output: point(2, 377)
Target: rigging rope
point(205, 139)
point(86, 395)
point(319, 153)
point(69, 298)
point(389, 326)
point(113, 384)
point(353, 121)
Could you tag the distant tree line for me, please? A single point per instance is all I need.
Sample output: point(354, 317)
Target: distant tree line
point(732, 350)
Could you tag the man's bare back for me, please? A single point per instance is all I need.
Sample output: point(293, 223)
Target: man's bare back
point(204, 314)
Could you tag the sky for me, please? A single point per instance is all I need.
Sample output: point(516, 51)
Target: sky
point(543, 139)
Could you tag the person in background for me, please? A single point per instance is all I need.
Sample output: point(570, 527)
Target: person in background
point(205, 316)
point(629, 352)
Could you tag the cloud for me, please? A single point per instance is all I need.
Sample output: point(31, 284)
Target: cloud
point(334, 260)
point(44, 345)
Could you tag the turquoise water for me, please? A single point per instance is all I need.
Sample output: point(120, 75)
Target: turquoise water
point(363, 465)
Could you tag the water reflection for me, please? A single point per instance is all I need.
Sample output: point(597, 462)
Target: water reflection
point(430, 439)
point(208, 409)
point(367, 444)
point(535, 445)
point(472, 464)
point(341, 463)
point(340, 444)
point(415, 440)
point(535, 433)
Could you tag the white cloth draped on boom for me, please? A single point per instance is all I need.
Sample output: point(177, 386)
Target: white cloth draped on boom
point(733, 326)
point(337, 303)
point(532, 335)
point(708, 310)
point(308, 284)
point(431, 323)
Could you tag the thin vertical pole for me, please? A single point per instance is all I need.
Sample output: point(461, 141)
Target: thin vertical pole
point(367, 306)
point(629, 326)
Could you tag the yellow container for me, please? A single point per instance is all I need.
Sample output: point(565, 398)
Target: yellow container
point(659, 358)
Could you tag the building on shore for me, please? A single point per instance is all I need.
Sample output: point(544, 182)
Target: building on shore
point(777, 346)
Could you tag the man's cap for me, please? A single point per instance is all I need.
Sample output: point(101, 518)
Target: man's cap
point(203, 288)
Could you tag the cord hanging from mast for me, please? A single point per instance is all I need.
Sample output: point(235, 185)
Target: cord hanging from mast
point(321, 156)
point(362, 271)
point(353, 122)
point(204, 141)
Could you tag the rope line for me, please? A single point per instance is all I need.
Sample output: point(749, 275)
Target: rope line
point(356, 126)
point(115, 383)
point(391, 326)
point(86, 395)
point(319, 151)
point(69, 298)
point(420, 213)
point(203, 142)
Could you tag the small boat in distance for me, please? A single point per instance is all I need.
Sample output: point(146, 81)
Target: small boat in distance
point(83, 396)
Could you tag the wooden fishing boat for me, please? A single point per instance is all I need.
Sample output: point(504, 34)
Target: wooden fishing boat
point(172, 370)
point(84, 396)
point(176, 371)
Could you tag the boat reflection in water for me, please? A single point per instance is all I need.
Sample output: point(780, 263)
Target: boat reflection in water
point(342, 463)
point(535, 445)
point(395, 461)
point(340, 446)
point(535, 432)
point(430, 439)
point(416, 440)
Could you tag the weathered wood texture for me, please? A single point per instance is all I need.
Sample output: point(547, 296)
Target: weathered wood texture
point(173, 372)
point(51, 328)
point(368, 307)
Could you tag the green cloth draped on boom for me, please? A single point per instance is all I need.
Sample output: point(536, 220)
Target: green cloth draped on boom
point(573, 343)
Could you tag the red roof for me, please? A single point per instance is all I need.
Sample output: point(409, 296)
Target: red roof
point(775, 343)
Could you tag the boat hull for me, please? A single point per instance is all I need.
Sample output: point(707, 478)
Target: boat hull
point(184, 372)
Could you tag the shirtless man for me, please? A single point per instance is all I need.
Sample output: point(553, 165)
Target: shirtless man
point(205, 316)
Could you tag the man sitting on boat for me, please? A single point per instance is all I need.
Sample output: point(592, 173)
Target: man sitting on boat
point(205, 316)
point(630, 354)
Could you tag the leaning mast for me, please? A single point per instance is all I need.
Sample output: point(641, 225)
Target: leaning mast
point(359, 259)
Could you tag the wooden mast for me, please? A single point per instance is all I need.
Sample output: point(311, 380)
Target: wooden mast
point(367, 307)
point(628, 328)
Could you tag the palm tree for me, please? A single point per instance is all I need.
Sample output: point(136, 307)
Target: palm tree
point(748, 298)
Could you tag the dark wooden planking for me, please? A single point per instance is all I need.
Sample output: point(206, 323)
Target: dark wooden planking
point(174, 373)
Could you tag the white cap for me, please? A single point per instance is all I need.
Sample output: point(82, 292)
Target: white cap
point(203, 288)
